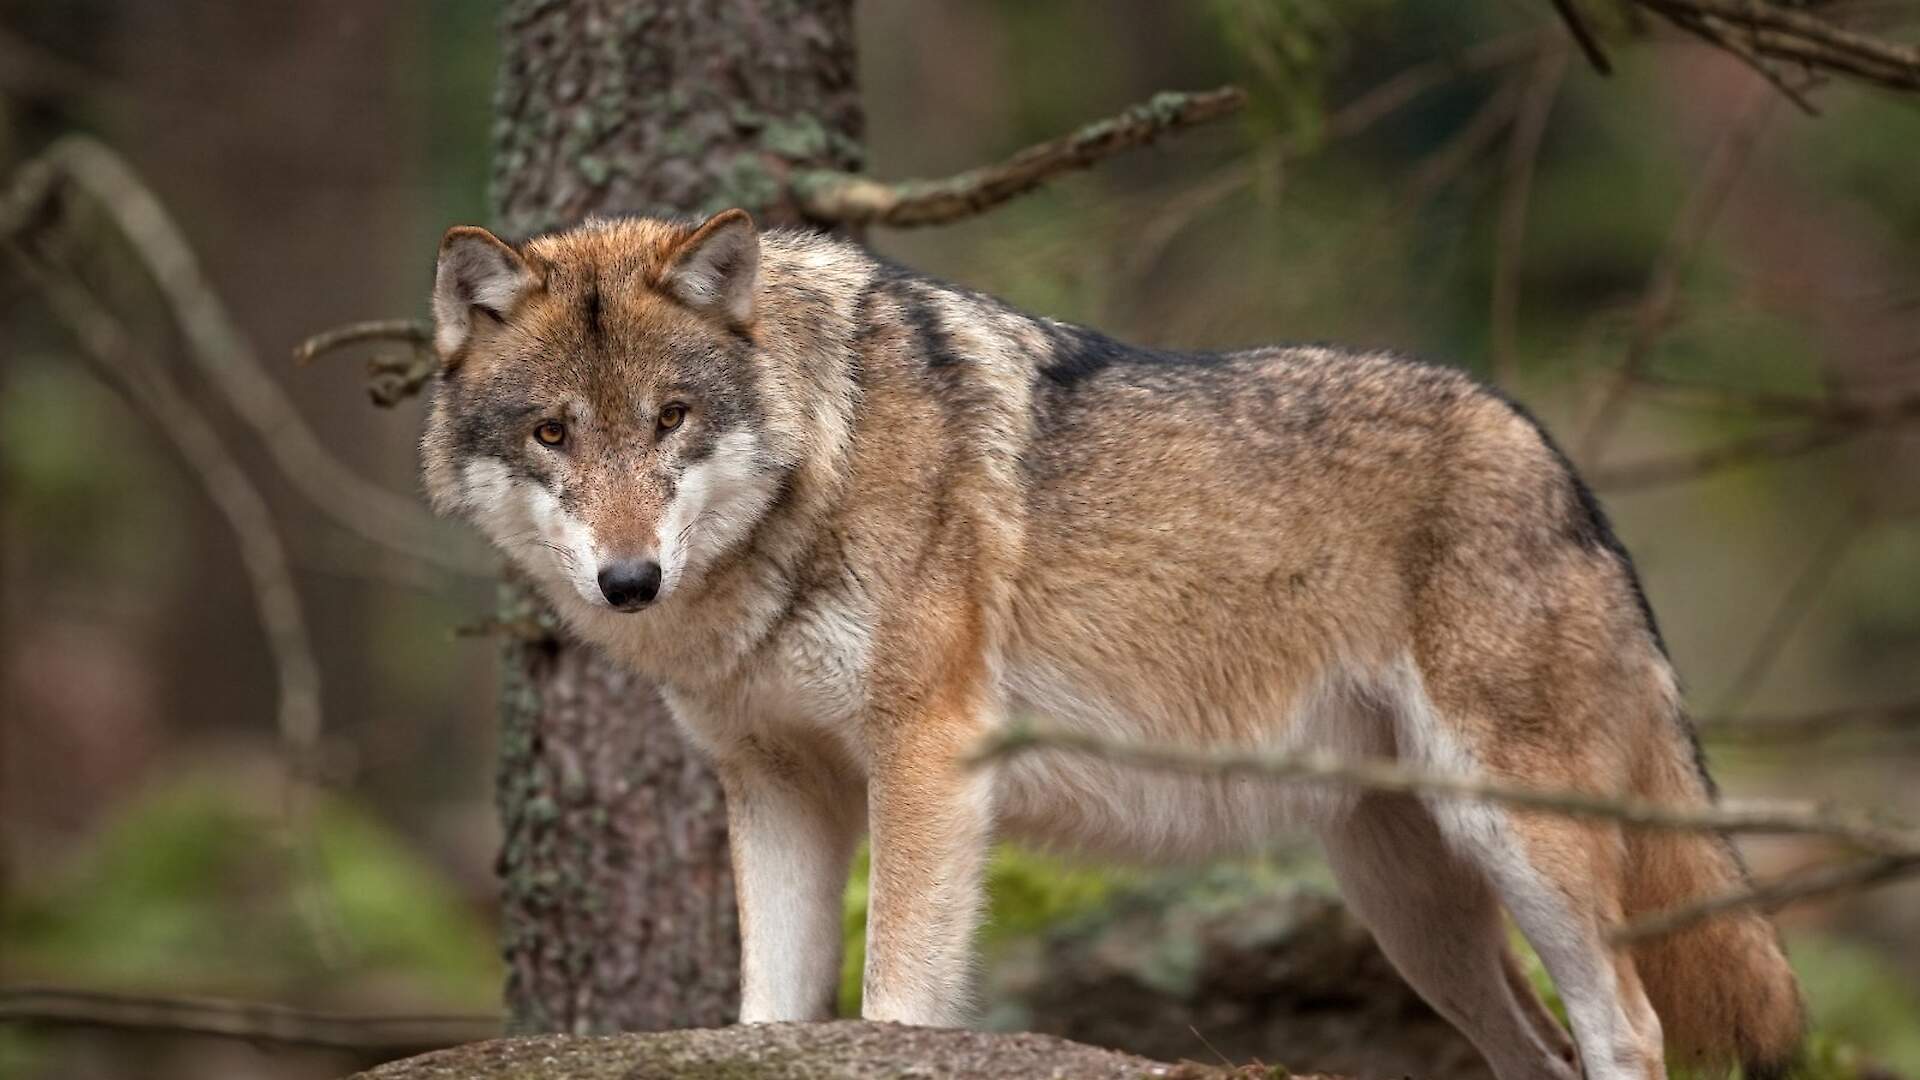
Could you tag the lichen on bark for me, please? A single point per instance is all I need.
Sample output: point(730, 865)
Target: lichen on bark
point(617, 901)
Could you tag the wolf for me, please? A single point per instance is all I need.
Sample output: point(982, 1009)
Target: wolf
point(852, 519)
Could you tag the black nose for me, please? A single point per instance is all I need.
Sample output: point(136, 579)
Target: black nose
point(630, 583)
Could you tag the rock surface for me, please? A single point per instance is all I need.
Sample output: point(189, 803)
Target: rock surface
point(842, 1050)
point(1227, 966)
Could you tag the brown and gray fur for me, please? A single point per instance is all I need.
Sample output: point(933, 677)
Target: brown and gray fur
point(897, 513)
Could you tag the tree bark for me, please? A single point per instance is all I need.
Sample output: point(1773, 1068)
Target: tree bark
point(617, 898)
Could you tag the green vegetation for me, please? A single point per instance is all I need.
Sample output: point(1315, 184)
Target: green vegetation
point(1027, 892)
point(194, 887)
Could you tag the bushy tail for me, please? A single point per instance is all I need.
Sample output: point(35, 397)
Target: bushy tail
point(1722, 988)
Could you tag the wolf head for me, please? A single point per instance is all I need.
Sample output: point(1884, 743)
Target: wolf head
point(600, 413)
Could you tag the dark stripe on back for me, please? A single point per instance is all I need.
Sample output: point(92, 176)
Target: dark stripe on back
point(1080, 354)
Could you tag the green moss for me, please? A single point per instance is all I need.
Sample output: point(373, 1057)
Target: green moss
point(1026, 893)
point(1860, 1006)
point(796, 138)
point(745, 181)
point(195, 886)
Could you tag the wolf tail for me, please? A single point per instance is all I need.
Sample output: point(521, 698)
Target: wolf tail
point(1722, 987)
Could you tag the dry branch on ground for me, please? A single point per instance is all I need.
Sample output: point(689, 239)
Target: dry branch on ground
point(368, 1035)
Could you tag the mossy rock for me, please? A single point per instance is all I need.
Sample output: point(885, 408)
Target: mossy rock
point(842, 1050)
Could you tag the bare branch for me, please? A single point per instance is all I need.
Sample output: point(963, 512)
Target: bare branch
point(1799, 727)
point(1831, 421)
point(849, 198)
point(1894, 847)
point(27, 68)
point(412, 333)
point(1781, 33)
point(1831, 409)
point(1800, 595)
point(1697, 215)
point(1439, 169)
point(1824, 881)
point(368, 1035)
point(1582, 35)
point(1523, 155)
point(1680, 468)
point(391, 380)
point(263, 555)
point(531, 630)
point(1402, 89)
point(1349, 120)
point(1729, 816)
point(217, 346)
point(1716, 32)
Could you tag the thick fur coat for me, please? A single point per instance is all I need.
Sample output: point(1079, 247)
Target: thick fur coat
point(851, 519)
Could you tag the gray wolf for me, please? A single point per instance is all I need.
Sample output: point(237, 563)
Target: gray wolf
point(851, 519)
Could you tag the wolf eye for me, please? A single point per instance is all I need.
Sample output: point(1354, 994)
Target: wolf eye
point(672, 415)
point(550, 433)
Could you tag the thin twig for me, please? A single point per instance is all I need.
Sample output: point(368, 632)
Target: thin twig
point(27, 68)
point(533, 631)
point(1690, 228)
point(1821, 724)
point(1583, 35)
point(263, 555)
point(1697, 465)
point(1437, 170)
point(217, 346)
point(1824, 881)
point(1728, 816)
point(1349, 120)
point(410, 332)
point(1894, 847)
point(1523, 156)
point(369, 1035)
point(1829, 408)
point(1794, 603)
point(147, 386)
point(393, 379)
point(1716, 32)
point(1782, 33)
point(849, 198)
point(1409, 84)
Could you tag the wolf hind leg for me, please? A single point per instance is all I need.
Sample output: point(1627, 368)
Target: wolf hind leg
point(1544, 1023)
point(1562, 880)
point(1438, 922)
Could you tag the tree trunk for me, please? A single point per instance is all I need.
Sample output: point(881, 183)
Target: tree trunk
point(617, 892)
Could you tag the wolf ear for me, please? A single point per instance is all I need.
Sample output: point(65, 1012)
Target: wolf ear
point(716, 270)
point(479, 276)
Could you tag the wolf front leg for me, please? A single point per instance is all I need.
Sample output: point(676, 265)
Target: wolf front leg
point(793, 817)
point(929, 820)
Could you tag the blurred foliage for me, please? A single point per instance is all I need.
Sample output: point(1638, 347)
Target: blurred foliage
point(92, 524)
point(1857, 1000)
point(1292, 48)
point(1026, 891)
point(1863, 1015)
point(189, 887)
point(1215, 240)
